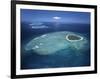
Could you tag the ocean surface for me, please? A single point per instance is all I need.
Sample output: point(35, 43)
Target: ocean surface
point(32, 60)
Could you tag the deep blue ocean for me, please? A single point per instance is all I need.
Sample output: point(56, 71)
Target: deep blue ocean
point(32, 60)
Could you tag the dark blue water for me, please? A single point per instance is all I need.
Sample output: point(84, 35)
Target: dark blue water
point(31, 60)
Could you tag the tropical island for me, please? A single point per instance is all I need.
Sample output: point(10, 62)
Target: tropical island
point(73, 37)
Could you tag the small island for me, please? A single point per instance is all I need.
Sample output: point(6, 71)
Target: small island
point(73, 37)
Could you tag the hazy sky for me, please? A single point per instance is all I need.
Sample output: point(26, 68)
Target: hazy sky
point(31, 15)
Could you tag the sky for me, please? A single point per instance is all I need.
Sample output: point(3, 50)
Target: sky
point(31, 15)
